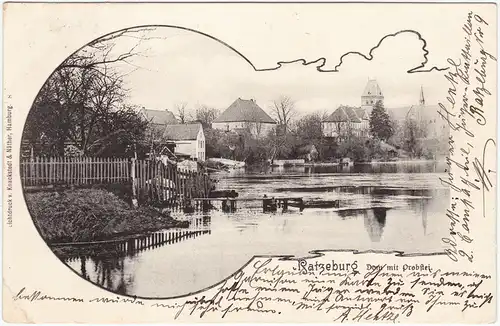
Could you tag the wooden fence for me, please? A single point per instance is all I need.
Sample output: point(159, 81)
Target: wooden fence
point(150, 181)
point(153, 181)
point(44, 171)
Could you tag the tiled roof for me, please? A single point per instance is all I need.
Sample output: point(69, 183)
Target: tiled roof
point(361, 113)
point(425, 111)
point(244, 110)
point(159, 117)
point(345, 114)
point(372, 89)
point(182, 131)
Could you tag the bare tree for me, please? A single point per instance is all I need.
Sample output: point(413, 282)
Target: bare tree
point(182, 113)
point(323, 114)
point(102, 51)
point(82, 101)
point(206, 115)
point(284, 112)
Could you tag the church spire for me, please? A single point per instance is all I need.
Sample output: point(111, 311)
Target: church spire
point(422, 99)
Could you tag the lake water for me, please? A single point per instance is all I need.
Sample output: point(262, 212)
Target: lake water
point(383, 206)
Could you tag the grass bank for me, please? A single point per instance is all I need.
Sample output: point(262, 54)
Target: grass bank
point(74, 215)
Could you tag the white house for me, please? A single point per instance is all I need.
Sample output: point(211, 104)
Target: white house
point(354, 119)
point(245, 114)
point(189, 139)
point(347, 120)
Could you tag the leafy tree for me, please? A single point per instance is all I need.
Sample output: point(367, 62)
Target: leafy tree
point(380, 123)
point(308, 131)
point(308, 127)
point(122, 133)
point(411, 138)
point(354, 148)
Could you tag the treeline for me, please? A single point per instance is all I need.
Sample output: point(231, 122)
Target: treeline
point(82, 110)
point(302, 137)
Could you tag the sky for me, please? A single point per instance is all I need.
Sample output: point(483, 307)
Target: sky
point(181, 66)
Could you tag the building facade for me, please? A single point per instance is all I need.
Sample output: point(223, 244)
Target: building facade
point(245, 115)
point(371, 95)
point(189, 140)
point(347, 120)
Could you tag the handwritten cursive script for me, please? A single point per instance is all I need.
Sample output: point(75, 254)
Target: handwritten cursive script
point(464, 112)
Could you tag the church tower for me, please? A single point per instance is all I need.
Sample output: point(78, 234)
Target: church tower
point(371, 95)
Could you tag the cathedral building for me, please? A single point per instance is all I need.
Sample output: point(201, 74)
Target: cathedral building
point(371, 95)
point(347, 120)
point(355, 120)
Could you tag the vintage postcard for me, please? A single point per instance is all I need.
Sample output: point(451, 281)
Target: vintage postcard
point(251, 162)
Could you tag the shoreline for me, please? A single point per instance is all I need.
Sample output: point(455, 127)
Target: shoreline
point(320, 164)
point(91, 215)
point(361, 163)
point(119, 237)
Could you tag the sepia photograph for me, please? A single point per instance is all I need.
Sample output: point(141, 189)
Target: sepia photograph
point(156, 161)
point(249, 162)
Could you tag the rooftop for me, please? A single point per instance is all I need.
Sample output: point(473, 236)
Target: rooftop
point(159, 117)
point(244, 110)
point(182, 131)
point(347, 113)
point(372, 88)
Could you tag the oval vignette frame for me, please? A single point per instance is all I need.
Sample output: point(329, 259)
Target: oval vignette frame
point(20, 158)
point(319, 64)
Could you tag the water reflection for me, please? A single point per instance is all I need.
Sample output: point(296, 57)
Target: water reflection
point(382, 167)
point(375, 222)
point(355, 210)
point(111, 265)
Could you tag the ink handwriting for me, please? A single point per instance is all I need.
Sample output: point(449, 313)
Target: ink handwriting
point(375, 293)
point(464, 111)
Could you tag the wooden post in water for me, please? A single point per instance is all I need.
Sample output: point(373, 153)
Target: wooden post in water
point(134, 183)
point(285, 204)
point(233, 205)
point(301, 201)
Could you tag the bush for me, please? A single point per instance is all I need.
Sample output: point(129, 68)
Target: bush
point(90, 214)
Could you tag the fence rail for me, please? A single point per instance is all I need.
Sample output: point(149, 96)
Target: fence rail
point(155, 181)
point(150, 181)
point(41, 171)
